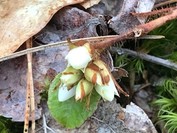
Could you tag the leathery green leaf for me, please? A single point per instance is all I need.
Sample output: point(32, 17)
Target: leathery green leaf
point(70, 113)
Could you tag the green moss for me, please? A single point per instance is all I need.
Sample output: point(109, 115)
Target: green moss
point(7, 126)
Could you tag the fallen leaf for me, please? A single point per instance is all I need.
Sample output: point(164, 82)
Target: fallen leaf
point(124, 20)
point(144, 6)
point(71, 22)
point(13, 80)
point(24, 18)
point(89, 3)
point(107, 8)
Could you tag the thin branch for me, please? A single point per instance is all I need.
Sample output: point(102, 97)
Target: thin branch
point(30, 105)
point(150, 58)
point(53, 45)
point(30, 76)
point(154, 12)
point(28, 93)
point(62, 43)
point(138, 31)
point(45, 127)
point(27, 107)
point(165, 3)
point(44, 123)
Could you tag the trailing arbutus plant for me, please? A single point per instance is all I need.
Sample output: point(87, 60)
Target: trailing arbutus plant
point(72, 104)
point(74, 93)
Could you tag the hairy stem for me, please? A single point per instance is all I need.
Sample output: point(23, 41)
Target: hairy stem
point(138, 31)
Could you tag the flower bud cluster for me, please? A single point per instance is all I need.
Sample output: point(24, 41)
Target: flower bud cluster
point(83, 74)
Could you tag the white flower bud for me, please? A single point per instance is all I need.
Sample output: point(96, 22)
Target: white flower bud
point(92, 74)
point(97, 73)
point(65, 94)
point(79, 57)
point(83, 88)
point(71, 76)
point(107, 92)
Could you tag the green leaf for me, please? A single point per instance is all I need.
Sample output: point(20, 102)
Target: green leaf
point(70, 114)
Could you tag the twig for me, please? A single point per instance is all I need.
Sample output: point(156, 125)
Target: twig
point(44, 123)
point(62, 43)
point(150, 58)
point(103, 122)
point(30, 105)
point(45, 127)
point(150, 37)
point(143, 86)
point(119, 88)
point(30, 72)
point(37, 130)
point(139, 30)
point(27, 107)
point(154, 12)
point(165, 3)
point(52, 45)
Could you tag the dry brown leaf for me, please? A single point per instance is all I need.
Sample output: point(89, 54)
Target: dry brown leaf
point(13, 80)
point(71, 22)
point(22, 19)
point(89, 3)
point(124, 20)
